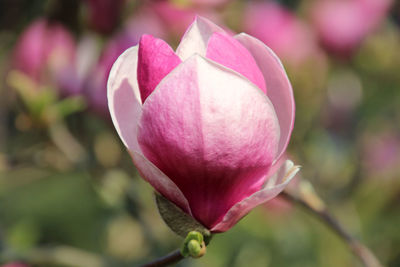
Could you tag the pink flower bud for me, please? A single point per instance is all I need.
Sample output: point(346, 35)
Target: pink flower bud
point(45, 52)
point(343, 24)
point(206, 125)
point(277, 27)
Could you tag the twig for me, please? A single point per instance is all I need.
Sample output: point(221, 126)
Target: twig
point(360, 250)
point(166, 260)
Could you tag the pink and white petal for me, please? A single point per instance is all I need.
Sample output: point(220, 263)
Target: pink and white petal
point(273, 170)
point(279, 88)
point(125, 115)
point(162, 183)
point(274, 186)
point(213, 132)
point(125, 107)
point(155, 60)
point(229, 52)
point(123, 95)
point(196, 37)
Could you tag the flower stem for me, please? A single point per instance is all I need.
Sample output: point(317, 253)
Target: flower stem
point(166, 260)
point(360, 250)
point(365, 255)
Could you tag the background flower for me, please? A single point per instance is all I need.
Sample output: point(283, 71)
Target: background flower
point(45, 52)
point(276, 26)
point(342, 25)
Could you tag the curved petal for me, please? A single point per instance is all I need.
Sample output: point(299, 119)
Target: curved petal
point(123, 95)
point(163, 184)
point(195, 39)
point(125, 107)
point(274, 186)
point(227, 51)
point(156, 59)
point(279, 88)
point(213, 132)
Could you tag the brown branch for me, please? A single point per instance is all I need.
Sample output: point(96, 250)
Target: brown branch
point(166, 260)
point(360, 250)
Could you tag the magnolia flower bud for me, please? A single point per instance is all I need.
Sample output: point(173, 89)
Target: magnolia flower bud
point(207, 126)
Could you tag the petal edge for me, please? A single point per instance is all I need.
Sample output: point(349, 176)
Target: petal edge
point(274, 186)
point(123, 95)
point(162, 183)
point(126, 109)
point(279, 88)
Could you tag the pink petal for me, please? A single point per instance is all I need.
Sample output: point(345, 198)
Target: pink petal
point(124, 97)
point(126, 109)
point(279, 88)
point(274, 186)
point(212, 132)
point(163, 184)
point(156, 59)
point(195, 40)
point(230, 53)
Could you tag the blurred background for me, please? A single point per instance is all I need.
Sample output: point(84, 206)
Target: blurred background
point(69, 194)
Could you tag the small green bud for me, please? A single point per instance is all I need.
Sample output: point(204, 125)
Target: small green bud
point(194, 235)
point(193, 245)
point(196, 250)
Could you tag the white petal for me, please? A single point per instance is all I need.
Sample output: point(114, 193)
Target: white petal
point(195, 40)
point(124, 97)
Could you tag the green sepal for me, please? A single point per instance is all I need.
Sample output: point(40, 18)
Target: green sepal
point(179, 221)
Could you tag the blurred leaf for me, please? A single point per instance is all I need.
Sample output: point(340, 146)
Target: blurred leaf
point(63, 206)
point(70, 105)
